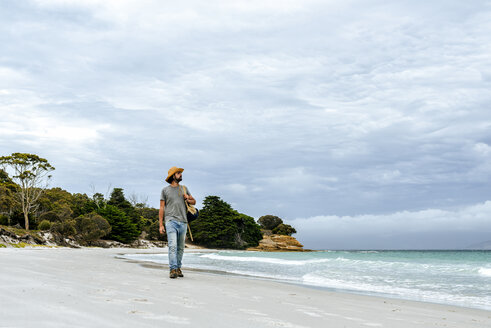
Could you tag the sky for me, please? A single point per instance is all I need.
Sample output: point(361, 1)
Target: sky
point(364, 124)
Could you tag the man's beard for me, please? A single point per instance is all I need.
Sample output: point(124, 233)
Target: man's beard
point(178, 179)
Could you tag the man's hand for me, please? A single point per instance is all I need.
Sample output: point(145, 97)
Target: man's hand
point(162, 229)
point(189, 199)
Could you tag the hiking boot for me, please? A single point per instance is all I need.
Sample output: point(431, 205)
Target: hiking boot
point(173, 274)
point(179, 273)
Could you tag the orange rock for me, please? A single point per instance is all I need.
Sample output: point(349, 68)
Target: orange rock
point(278, 243)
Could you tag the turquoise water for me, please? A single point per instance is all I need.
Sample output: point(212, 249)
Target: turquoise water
point(460, 278)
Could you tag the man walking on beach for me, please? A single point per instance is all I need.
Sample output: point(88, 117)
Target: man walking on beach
point(173, 209)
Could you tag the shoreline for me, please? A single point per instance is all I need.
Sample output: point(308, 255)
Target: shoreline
point(159, 266)
point(370, 293)
point(92, 287)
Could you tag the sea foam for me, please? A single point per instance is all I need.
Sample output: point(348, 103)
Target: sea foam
point(263, 259)
point(485, 272)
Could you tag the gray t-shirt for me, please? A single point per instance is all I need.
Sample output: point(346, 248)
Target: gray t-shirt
point(175, 208)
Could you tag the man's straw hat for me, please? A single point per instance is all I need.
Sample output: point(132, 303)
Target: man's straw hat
point(173, 170)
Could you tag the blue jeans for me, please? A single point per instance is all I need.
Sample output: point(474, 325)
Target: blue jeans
point(176, 234)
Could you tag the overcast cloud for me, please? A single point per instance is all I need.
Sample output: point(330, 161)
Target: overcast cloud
point(366, 124)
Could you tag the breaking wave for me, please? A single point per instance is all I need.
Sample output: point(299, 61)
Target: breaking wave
point(263, 260)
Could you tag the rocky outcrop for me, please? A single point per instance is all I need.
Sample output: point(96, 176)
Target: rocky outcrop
point(29, 239)
point(278, 243)
point(12, 238)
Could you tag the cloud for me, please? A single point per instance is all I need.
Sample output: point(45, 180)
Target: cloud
point(386, 231)
point(482, 149)
point(37, 127)
point(236, 188)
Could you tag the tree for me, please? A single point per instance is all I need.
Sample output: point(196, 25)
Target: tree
point(284, 229)
point(119, 200)
point(269, 222)
point(54, 199)
point(60, 214)
point(220, 226)
point(98, 200)
point(215, 226)
point(6, 182)
point(82, 204)
point(31, 174)
point(122, 229)
point(8, 201)
point(250, 230)
point(55, 204)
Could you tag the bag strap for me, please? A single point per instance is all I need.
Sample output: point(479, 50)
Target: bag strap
point(183, 189)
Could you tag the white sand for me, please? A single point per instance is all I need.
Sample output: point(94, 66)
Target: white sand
point(92, 288)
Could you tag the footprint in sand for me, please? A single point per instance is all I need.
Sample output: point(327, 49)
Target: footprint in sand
point(142, 300)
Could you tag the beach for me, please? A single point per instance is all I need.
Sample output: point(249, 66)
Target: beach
point(91, 287)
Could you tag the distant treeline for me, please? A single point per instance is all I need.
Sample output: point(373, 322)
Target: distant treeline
point(88, 219)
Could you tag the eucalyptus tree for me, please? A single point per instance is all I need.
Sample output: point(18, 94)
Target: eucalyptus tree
point(31, 173)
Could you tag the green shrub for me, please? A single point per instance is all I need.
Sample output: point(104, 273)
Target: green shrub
point(64, 228)
point(4, 220)
point(284, 229)
point(91, 227)
point(44, 225)
point(269, 222)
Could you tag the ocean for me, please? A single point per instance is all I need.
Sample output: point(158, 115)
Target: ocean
point(461, 278)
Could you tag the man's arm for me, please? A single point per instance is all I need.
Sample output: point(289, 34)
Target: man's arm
point(161, 217)
point(190, 199)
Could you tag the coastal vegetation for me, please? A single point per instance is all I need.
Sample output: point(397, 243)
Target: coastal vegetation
point(220, 226)
point(276, 225)
point(86, 220)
